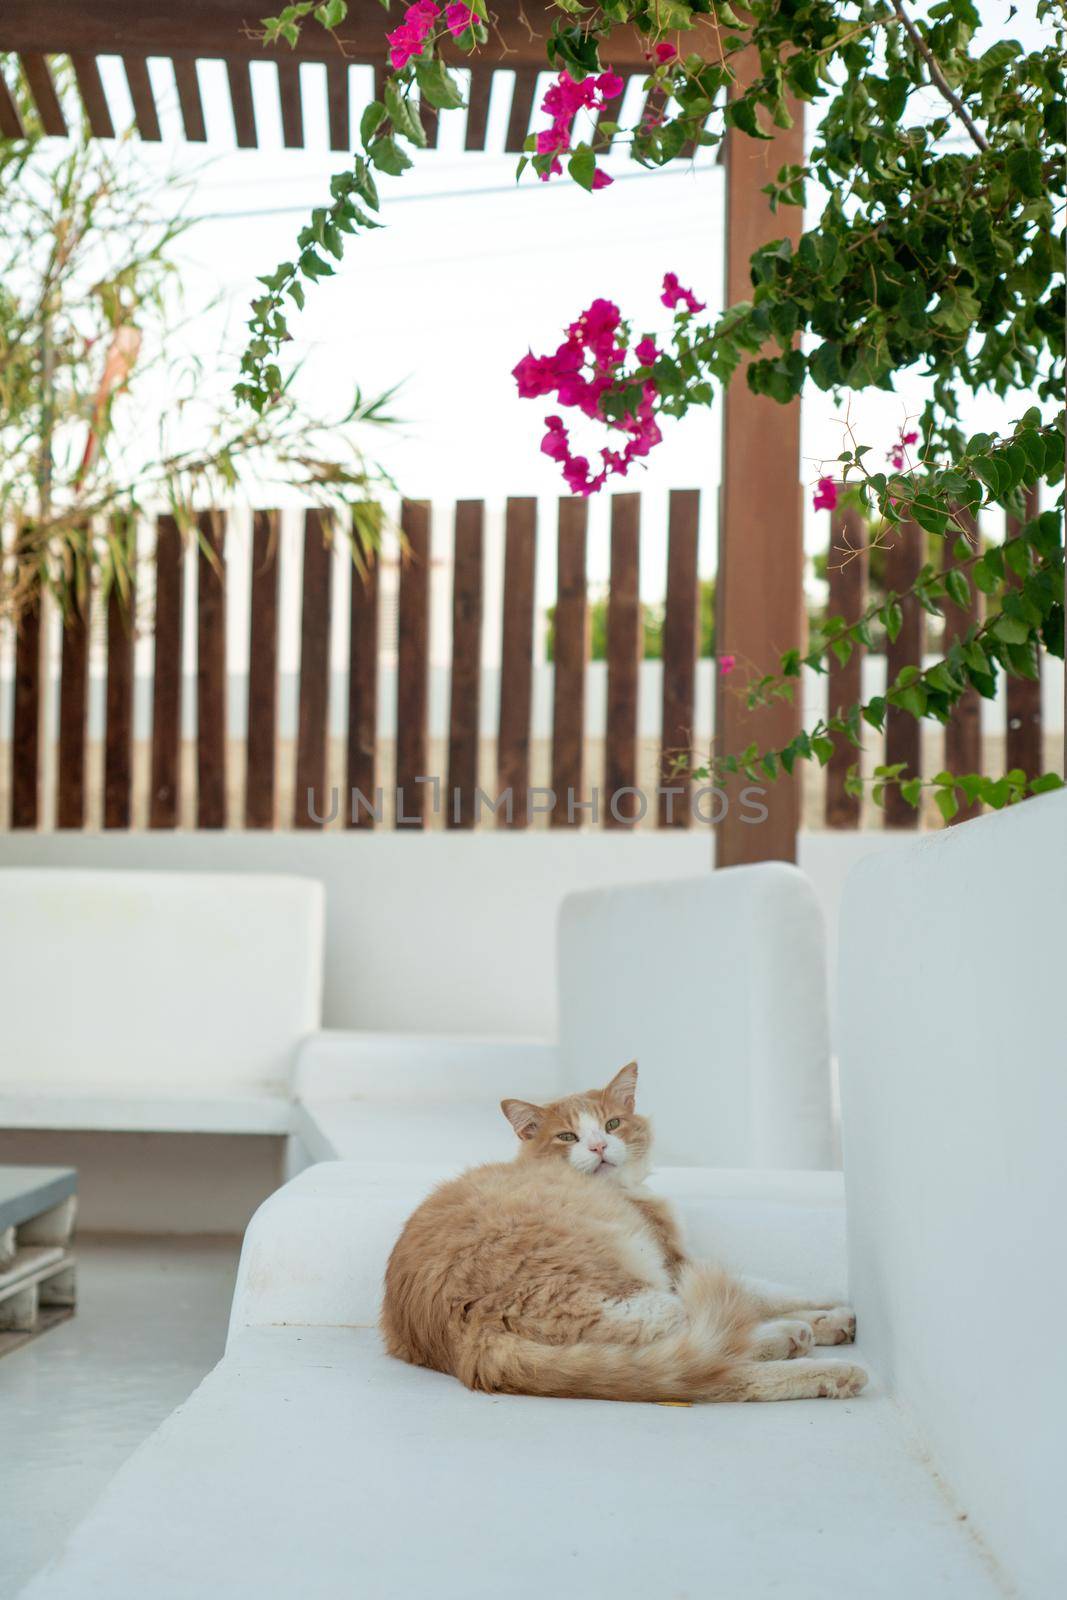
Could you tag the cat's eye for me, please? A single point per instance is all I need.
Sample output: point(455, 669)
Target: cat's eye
point(611, 1124)
point(568, 1138)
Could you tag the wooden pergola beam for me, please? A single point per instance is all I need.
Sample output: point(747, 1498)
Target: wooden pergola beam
point(229, 29)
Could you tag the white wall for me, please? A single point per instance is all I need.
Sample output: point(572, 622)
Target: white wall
point(444, 932)
point(954, 1105)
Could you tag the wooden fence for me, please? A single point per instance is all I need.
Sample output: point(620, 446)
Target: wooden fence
point(622, 801)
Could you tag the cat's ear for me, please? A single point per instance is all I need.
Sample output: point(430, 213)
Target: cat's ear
point(623, 1086)
point(524, 1118)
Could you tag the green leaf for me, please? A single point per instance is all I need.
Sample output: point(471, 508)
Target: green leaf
point(403, 116)
point(582, 166)
point(370, 121)
point(388, 156)
point(1024, 170)
point(947, 803)
point(437, 85)
point(958, 588)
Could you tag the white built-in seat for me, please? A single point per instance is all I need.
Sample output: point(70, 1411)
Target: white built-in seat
point(155, 1001)
point(309, 1463)
point(716, 985)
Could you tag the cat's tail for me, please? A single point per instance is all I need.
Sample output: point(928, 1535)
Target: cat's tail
point(692, 1363)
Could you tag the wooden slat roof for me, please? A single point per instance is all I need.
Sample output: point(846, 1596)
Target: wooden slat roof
point(227, 30)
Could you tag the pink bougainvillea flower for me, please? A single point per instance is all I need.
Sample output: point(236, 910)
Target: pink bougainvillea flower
point(674, 295)
point(590, 362)
point(896, 455)
point(458, 18)
point(408, 40)
point(726, 665)
point(825, 497)
point(645, 351)
point(664, 52)
point(563, 100)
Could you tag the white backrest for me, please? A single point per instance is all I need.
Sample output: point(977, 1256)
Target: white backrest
point(717, 987)
point(156, 981)
point(954, 1105)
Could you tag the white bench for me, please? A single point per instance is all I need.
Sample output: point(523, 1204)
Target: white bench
point(310, 1463)
point(717, 985)
point(153, 1001)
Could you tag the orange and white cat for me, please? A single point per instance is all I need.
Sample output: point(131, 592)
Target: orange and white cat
point(559, 1273)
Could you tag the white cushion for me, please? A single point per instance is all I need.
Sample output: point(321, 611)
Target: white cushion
point(717, 986)
point(156, 983)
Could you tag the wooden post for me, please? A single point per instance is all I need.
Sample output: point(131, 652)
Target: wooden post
point(847, 572)
point(759, 595)
point(903, 732)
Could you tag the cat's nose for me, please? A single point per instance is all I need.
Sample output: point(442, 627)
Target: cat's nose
point(598, 1146)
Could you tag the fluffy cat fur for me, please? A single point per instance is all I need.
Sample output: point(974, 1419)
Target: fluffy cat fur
point(559, 1273)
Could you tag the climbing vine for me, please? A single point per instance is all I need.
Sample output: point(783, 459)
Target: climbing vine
point(938, 249)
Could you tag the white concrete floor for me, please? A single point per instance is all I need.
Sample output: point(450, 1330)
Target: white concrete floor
point(74, 1403)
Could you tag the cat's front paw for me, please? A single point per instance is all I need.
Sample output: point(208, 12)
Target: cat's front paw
point(836, 1326)
point(841, 1380)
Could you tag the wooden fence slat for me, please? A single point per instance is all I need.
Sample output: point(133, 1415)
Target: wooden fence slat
point(412, 665)
point(1025, 745)
point(362, 770)
point(903, 732)
point(118, 726)
point(292, 106)
point(465, 701)
point(73, 712)
point(43, 90)
point(522, 99)
point(192, 107)
point(260, 753)
point(167, 677)
point(624, 646)
point(681, 644)
point(144, 105)
point(963, 731)
point(478, 107)
point(91, 89)
point(211, 672)
point(244, 111)
point(847, 574)
point(337, 103)
point(516, 661)
point(570, 649)
point(310, 800)
point(26, 720)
